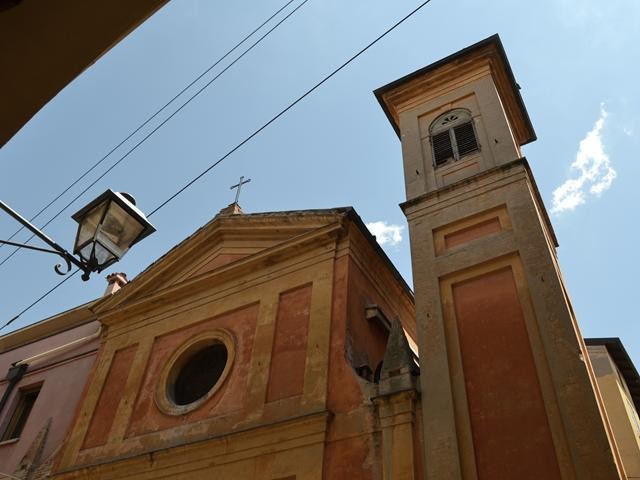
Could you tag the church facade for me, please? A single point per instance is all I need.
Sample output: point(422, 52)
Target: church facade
point(285, 345)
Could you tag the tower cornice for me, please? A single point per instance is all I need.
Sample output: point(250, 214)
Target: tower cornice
point(435, 79)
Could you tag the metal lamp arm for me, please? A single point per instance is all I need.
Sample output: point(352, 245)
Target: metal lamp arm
point(57, 249)
point(57, 268)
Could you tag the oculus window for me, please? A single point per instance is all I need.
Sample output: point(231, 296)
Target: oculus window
point(200, 372)
point(195, 372)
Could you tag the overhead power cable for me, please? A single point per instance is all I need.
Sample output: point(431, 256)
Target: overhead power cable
point(288, 107)
point(247, 50)
point(255, 133)
point(39, 299)
point(148, 120)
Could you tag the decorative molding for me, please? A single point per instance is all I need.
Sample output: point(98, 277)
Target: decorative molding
point(167, 376)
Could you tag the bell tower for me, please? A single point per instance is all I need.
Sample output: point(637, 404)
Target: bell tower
point(507, 387)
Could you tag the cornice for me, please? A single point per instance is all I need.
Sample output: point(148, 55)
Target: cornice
point(116, 309)
point(411, 206)
point(275, 226)
point(287, 434)
point(485, 57)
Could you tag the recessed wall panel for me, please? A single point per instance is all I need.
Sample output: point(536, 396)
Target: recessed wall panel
point(509, 424)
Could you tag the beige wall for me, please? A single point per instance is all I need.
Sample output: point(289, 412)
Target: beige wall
point(619, 407)
point(507, 389)
point(61, 377)
point(475, 93)
point(292, 405)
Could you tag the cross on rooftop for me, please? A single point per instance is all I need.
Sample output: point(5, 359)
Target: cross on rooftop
point(239, 186)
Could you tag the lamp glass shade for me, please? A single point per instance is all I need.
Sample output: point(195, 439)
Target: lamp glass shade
point(103, 256)
point(89, 225)
point(107, 228)
point(119, 229)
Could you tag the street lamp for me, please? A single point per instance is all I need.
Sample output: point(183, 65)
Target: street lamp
point(107, 227)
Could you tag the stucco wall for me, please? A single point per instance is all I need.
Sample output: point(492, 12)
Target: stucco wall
point(62, 378)
point(292, 403)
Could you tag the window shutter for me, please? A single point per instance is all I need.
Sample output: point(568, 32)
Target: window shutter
point(442, 148)
point(465, 139)
point(20, 414)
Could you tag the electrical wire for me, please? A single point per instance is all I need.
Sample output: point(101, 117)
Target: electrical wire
point(40, 298)
point(287, 108)
point(198, 92)
point(247, 50)
point(130, 135)
point(251, 136)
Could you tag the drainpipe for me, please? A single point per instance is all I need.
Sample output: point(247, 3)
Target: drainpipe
point(35, 359)
point(19, 368)
point(14, 375)
point(115, 282)
point(17, 371)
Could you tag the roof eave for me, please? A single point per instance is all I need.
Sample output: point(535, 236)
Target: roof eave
point(623, 361)
point(492, 40)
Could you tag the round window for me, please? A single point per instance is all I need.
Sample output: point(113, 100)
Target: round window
point(199, 374)
point(195, 372)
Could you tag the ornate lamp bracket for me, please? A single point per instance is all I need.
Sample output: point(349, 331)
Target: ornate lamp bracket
point(68, 258)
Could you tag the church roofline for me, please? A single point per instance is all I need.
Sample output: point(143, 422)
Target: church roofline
point(344, 212)
point(82, 314)
point(494, 41)
point(353, 215)
point(349, 212)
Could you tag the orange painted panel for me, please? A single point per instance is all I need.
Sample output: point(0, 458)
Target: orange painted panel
point(473, 232)
point(146, 417)
point(511, 433)
point(286, 376)
point(109, 400)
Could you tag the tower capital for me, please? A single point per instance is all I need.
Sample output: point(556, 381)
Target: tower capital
point(457, 118)
point(449, 73)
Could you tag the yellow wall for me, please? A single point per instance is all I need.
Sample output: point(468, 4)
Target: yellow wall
point(619, 407)
point(319, 422)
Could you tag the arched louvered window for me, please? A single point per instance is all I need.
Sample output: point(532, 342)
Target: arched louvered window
point(452, 137)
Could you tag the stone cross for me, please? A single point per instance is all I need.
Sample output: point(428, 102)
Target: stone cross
point(239, 186)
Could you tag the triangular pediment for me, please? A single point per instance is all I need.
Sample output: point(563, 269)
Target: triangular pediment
point(224, 241)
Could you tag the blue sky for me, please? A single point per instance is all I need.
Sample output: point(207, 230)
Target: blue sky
point(573, 58)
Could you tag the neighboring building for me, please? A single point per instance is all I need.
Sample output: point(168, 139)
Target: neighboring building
point(619, 385)
point(45, 368)
point(51, 43)
point(283, 345)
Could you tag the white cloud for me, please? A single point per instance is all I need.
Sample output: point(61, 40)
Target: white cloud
point(386, 234)
point(594, 167)
point(627, 131)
